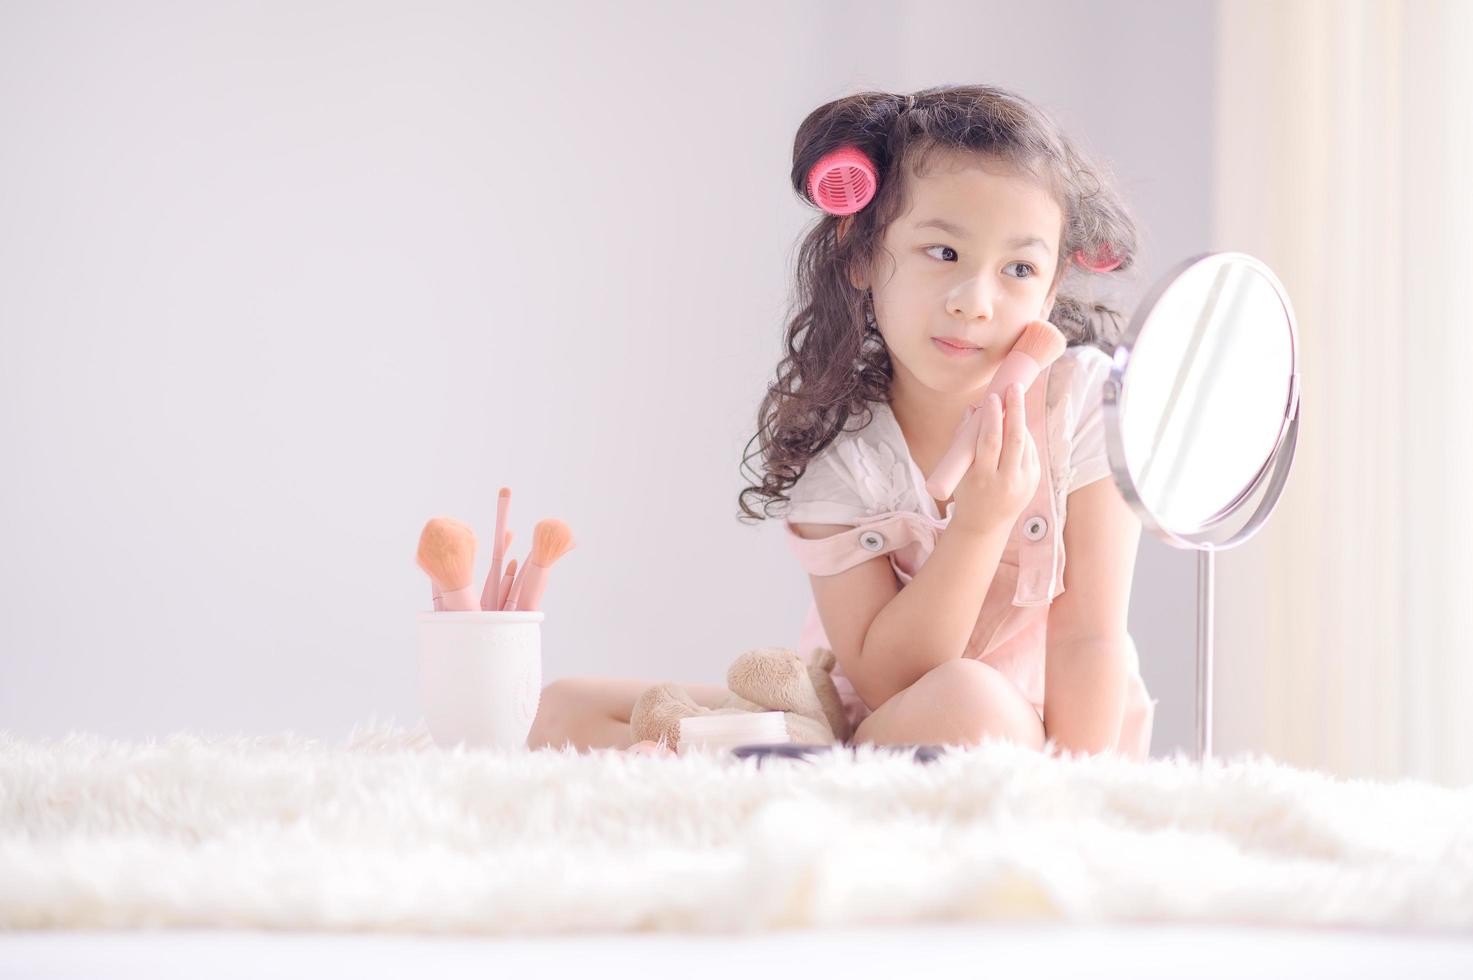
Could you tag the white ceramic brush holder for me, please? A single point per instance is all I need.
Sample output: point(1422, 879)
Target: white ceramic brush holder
point(480, 676)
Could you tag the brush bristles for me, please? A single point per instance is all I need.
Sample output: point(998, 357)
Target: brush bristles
point(1042, 341)
point(551, 539)
point(447, 552)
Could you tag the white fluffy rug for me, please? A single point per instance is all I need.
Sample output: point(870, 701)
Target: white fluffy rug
point(385, 832)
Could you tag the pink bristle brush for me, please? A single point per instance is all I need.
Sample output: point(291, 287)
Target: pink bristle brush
point(499, 544)
point(1039, 346)
point(504, 589)
point(447, 554)
point(551, 539)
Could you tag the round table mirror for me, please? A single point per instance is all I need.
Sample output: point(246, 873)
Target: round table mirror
point(1201, 418)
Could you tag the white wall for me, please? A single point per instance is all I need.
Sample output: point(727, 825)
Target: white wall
point(278, 282)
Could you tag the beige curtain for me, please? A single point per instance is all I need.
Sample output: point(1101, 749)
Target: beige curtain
point(1344, 160)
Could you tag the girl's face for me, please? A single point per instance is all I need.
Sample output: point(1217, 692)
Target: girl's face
point(980, 281)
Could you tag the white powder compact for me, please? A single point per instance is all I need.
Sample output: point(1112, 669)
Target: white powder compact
point(723, 732)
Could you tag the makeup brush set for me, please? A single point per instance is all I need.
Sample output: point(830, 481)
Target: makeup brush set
point(447, 554)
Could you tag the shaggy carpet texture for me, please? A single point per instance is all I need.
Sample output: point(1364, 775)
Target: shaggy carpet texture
point(384, 831)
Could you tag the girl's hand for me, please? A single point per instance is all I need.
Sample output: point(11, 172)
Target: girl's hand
point(1004, 474)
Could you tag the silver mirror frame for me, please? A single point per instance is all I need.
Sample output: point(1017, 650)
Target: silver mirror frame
point(1216, 534)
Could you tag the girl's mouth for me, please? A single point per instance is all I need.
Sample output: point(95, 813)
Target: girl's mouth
point(951, 350)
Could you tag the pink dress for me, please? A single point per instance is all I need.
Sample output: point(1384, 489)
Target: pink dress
point(866, 478)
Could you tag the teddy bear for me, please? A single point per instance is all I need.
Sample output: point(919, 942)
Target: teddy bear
point(761, 679)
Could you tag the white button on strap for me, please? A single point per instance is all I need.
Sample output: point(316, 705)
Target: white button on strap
point(872, 541)
point(1035, 528)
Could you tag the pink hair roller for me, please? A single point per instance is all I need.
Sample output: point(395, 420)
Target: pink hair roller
point(1103, 260)
point(843, 181)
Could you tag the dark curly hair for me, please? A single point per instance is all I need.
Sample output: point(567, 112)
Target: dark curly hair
point(835, 362)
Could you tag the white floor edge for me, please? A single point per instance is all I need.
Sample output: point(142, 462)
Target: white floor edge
point(1023, 949)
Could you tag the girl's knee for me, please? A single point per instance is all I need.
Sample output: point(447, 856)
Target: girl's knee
point(964, 680)
point(584, 696)
point(564, 689)
point(556, 696)
point(562, 702)
point(982, 702)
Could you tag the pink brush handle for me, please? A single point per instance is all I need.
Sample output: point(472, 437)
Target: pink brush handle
point(532, 586)
point(516, 587)
point(491, 594)
point(504, 589)
point(461, 600)
point(1016, 368)
point(435, 596)
point(498, 551)
point(493, 580)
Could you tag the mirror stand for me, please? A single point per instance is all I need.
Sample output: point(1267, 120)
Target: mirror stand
point(1268, 488)
point(1204, 653)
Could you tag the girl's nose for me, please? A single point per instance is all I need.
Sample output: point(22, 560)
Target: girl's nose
point(972, 299)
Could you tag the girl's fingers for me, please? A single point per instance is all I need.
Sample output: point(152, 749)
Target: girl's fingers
point(1015, 427)
point(989, 432)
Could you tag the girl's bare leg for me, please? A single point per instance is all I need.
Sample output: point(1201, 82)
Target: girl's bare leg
point(593, 712)
point(958, 703)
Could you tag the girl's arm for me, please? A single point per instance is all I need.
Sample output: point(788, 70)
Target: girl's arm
point(887, 637)
point(930, 620)
point(1088, 648)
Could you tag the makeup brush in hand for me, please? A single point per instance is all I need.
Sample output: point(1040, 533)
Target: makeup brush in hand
point(447, 554)
point(1038, 346)
point(551, 539)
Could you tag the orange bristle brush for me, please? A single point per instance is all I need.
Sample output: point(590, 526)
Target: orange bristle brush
point(551, 539)
point(447, 554)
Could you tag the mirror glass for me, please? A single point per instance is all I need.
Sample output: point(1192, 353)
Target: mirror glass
point(1204, 396)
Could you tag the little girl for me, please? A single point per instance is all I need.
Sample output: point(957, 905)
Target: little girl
point(945, 616)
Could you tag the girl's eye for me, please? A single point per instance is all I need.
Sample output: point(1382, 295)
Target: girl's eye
point(1031, 271)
